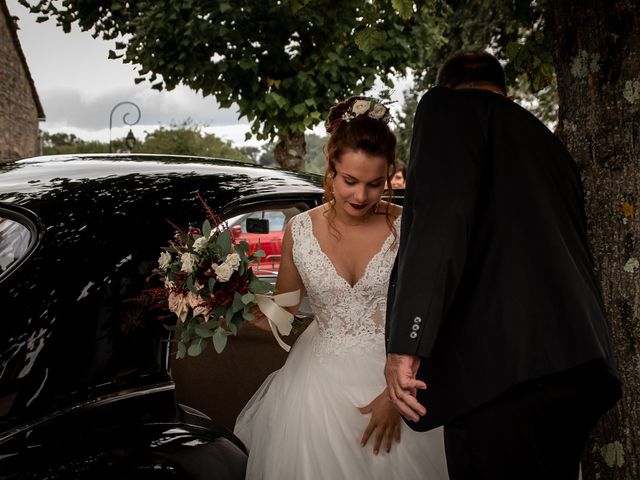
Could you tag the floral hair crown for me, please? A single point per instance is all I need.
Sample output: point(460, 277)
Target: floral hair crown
point(369, 107)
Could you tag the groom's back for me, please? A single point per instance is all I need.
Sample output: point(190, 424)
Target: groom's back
point(528, 302)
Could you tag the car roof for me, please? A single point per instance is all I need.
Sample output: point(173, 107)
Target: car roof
point(32, 175)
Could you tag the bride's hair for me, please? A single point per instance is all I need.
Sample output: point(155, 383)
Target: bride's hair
point(357, 132)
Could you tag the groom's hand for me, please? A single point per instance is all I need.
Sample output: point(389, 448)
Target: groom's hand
point(400, 372)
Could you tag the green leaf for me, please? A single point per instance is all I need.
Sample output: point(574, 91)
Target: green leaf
point(403, 7)
point(182, 350)
point(219, 340)
point(224, 7)
point(206, 229)
point(190, 285)
point(259, 254)
point(247, 315)
point(233, 328)
point(211, 283)
point(260, 286)
point(196, 348)
point(224, 242)
point(237, 304)
point(204, 332)
point(247, 298)
point(369, 38)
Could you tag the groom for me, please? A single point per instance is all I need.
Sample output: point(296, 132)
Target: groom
point(493, 305)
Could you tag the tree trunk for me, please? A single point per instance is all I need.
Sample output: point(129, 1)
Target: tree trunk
point(290, 151)
point(597, 60)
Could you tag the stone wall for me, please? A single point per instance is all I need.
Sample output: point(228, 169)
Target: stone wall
point(19, 123)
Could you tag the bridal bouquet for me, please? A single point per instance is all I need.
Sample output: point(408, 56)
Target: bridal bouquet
point(210, 286)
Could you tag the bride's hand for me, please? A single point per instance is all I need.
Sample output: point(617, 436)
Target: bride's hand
point(384, 421)
point(261, 321)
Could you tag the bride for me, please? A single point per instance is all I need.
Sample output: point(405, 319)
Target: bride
point(326, 413)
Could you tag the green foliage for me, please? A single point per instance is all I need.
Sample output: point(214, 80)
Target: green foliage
point(187, 139)
point(183, 139)
point(284, 63)
point(68, 143)
point(514, 31)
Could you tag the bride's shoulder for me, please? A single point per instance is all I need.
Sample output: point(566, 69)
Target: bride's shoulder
point(394, 210)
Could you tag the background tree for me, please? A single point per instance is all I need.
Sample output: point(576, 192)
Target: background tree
point(596, 53)
point(188, 139)
point(68, 143)
point(283, 62)
point(183, 139)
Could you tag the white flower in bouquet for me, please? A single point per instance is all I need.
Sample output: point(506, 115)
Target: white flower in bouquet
point(233, 260)
point(199, 244)
point(165, 260)
point(189, 262)
point(179, 305)
point(168, 284)
point(360, 106)
point(223, 272)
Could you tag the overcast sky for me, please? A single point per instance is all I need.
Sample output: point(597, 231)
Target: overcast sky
point(79, 86)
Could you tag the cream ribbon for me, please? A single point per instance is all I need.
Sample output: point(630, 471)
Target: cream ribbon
point(280, 320)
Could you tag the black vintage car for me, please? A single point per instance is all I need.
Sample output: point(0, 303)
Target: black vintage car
point(89, 385)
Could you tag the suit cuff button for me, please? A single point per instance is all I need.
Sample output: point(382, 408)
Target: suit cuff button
point(415, 327)
point(417, 320)
point(413, 335)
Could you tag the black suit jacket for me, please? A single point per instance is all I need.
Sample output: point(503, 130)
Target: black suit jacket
point(493, 284)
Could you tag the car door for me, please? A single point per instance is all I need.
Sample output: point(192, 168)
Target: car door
point(220, 384)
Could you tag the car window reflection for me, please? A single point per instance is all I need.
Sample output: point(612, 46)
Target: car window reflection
point(14, 242)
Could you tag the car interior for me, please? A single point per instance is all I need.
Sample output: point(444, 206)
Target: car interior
point(219, 385)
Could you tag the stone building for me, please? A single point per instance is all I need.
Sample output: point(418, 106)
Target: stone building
point(20, 107)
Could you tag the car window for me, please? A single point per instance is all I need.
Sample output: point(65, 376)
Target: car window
point(17, 238)
point(263, 229)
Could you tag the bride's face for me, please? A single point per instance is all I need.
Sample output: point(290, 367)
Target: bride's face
point(359, 182)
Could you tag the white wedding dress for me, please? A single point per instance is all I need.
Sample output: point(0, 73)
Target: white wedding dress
point(303, 423)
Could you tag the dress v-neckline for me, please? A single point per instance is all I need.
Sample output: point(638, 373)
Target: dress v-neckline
point(382, 248)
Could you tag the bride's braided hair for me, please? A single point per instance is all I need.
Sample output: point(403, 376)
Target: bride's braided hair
point(357, 132)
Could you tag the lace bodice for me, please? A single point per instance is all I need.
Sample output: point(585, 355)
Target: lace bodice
point(348, 316)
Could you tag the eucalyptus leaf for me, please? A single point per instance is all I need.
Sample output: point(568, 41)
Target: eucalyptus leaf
point(196, 348)
point(224, 242)
point(260, 286)
point(206, 229)
point(182, 350)
point(204, 332)
point(247, 298)
point(219, 340)
point(238, 303)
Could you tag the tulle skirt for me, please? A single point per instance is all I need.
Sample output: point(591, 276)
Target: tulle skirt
point(303, 423)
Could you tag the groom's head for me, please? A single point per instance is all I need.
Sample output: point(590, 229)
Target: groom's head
point(472, 69)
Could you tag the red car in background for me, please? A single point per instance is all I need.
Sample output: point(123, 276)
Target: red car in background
point(262, 230)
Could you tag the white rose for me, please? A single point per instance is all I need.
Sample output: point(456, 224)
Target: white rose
point(178, 304)
point(223, 272)
point(165, 260)
point(168, 283)
point(233, 260)
point(378, 112)
point(199, 244)
point(360, 106)
point(189, 261)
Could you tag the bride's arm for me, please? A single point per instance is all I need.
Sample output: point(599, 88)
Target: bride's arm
point(288, 279)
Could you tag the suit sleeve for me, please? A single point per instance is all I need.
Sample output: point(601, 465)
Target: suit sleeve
point(440, 199)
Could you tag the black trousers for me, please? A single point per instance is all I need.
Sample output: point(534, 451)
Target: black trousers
point(536, 430)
